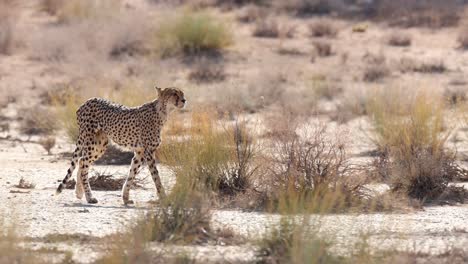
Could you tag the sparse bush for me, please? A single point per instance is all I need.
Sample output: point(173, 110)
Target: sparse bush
point(191, 33)
point(376, 68)
point(325, 89)
point(399, 39)
point(455, 96)
point(306, 7)
point(410, 65)
point(323, 48)
point(38, 120)
point(270, 28)
point(311, 172)
point(373, 73)
point(47, 143)
point(322, 28)
point(267, 28)
point(205, 71)
point(252, 13)
point(51, 7)
point(411, 139)
point(23, 184)
point(8, 20)
point(352, 104)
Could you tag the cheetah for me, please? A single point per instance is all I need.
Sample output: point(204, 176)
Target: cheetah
point(136, 128)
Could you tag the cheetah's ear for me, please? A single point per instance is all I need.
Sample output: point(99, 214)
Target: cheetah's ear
point(159, 91)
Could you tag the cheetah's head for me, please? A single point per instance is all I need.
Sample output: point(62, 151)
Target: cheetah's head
point(172, 95)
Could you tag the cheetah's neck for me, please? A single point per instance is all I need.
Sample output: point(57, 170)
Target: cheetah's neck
point(161, 111)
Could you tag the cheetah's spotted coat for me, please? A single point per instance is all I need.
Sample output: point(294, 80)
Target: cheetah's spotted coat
point(137, 128)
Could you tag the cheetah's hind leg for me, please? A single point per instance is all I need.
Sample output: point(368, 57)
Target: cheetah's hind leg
point(99, 149)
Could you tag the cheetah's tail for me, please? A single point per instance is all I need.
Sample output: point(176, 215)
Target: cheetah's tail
point(75, 158)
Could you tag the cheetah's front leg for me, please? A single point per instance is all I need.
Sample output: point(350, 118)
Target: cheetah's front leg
point(155, 175)
point(136, 163)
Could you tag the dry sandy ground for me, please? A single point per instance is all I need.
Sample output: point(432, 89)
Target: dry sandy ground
point(37, 213)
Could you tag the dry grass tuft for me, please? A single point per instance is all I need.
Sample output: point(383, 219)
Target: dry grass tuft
point(325, 89)
point(252, 13)
point(411, 138)
point(433, 66)
point(323, 48)
point(38, 120)
point(323, 28)
point(399, 39)
point(270, 28)
point(191, 33)
point(305, 7)
point(47, 143)
point(376, 68)
point(215, 160)
point(206, 72)
point(23, 184)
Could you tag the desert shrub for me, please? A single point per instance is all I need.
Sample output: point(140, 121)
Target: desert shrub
point(270, 28)
point(373, 73)
point(252, 13)
point(323, 48)
point(409, 133)
point(323, 88)
point(399, 39)
point(24, 184)
point(51, 7)
point(38, 120)
point(205, 72)
point(322, 28)
point(47, 143)
point(217, 161)
point(8, 14)
point(191, 33)
point(311, 172)
point(455, 96)
point(351, 104)
point(182, 218)
point(376, 68)
point(307, 7)
point(432, 66)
